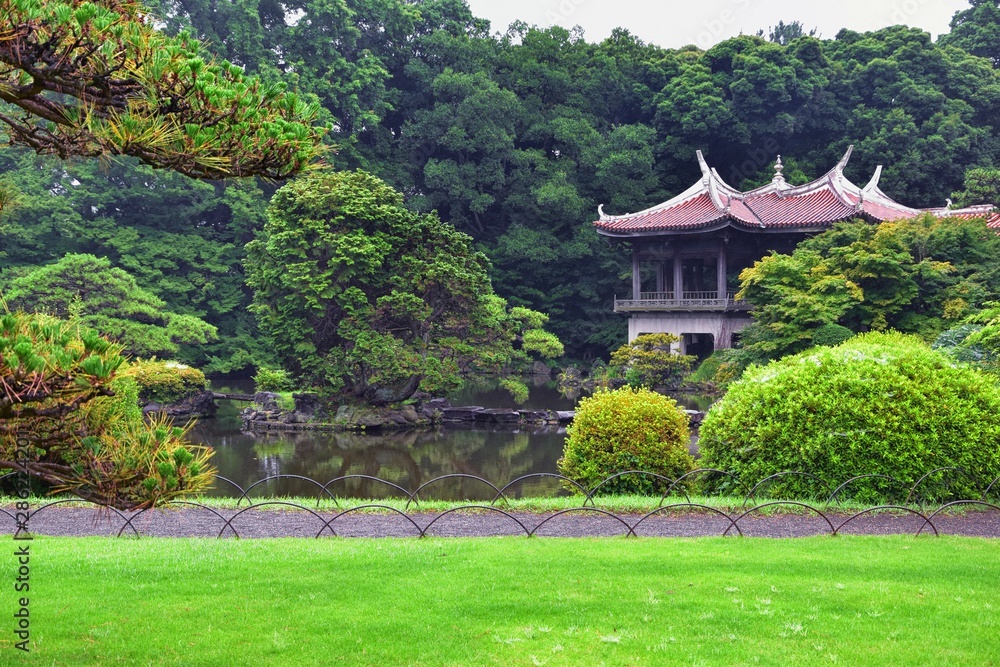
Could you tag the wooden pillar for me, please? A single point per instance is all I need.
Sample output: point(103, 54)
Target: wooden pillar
point(721, 271)
point(678, 276)
point(660, 286)
point(636, 277)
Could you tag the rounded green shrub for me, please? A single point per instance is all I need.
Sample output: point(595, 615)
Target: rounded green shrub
point(881, 403)
point(627, 429)
point(164, 381)
point(831, 334)
point(272, 379)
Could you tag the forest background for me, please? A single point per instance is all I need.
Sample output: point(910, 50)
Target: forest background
point(515, 138)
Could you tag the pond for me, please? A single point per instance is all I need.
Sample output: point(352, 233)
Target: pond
point(407, 459)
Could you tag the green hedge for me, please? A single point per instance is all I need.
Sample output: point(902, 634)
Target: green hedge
point(878, 403)
point(627, 429)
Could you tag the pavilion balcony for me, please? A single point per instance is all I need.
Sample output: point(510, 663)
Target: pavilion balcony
point(690, 301)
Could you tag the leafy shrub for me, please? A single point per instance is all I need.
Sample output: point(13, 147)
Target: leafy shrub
point(285, 401)
point(272, 379)
point(831, 334)
point(956, 343)
point(880, 403)
point(647, 361)
point(718, 370)
point(627, 429)
point(164, 381)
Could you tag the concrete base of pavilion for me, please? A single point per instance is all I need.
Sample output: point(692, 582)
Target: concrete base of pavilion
point(701, 333)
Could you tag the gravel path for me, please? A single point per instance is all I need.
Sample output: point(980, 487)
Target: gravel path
point(188, 521)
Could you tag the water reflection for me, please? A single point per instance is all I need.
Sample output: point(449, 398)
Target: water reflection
point(543, 394)
point(407, 459)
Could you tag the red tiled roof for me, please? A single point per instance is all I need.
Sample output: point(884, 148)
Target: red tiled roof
point(692, 213)
point(779, 206)
point(990, 213)
point(808, 210)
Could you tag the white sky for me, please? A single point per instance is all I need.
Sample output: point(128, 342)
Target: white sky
point(707, 22)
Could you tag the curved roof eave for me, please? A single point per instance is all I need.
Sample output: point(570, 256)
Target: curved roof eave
point(714, 226)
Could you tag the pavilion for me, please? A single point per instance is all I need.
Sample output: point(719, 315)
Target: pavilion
point(688, 252)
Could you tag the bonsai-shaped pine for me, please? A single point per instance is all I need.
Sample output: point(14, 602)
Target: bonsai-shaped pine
point(84, 430)
point(627, 429)
point(95, 78)
point(366, 299)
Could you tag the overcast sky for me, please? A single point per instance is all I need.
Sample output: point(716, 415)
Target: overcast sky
point(673, 24)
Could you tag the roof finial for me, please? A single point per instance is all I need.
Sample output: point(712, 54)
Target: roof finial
point(706, 173)
point(779, 179)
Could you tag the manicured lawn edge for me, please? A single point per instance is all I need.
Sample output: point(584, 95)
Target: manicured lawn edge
point(540, 505)
point(507, 601)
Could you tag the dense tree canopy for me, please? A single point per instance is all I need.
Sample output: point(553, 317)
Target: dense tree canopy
point(515, 137)
point(181, 239)
point(361, 296)
point(977, 30)
point(916, 276)
point(89, 291)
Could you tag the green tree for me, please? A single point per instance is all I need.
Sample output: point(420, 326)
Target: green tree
point(363, 297)
point(648, 361)
point(91, 292)
point(982, 186)
point(783, 33)
point(80, 78)
point(95, 78)
point(977, 30)
point(914, 276)
point(180, 238)
point(977, 340)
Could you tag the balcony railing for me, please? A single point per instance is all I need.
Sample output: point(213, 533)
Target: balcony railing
point(691, 301)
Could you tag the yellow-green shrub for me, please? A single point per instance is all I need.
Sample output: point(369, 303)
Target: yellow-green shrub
point(134, 462)
point(647, 361)
point(878, 403)
point(272, 379)
point(164, 381)
point(627, 429)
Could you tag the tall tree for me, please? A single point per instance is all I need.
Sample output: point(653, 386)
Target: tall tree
point(977, 30)
point(182, 239)
point(363, 297)
point(783, 33)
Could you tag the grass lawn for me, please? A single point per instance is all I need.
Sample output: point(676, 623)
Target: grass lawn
point(509, 601)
